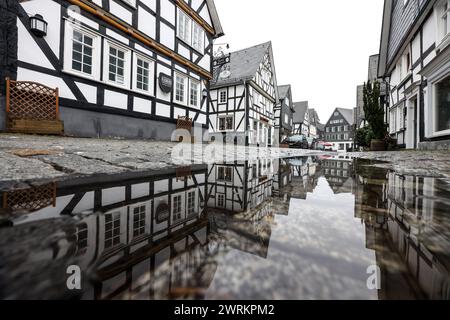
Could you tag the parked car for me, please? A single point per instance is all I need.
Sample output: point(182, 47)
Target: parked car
point(297, 141)
point(325, 146)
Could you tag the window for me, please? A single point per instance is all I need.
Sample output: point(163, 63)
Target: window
point(82, 50)
point(194, 97)
point(286, 118)
point(116, 65)
point(345, 128)
point(225, 174)
point(184, 27)
point(176, 208)
point(198, 37)
point(327, 129)
point(442, 108)
point(144, 72)
point(443, 19)
point(112, 229)
point(138, 221)
point(191, 203)
point(223, 96)
point(221, 200)
point(180, 88)
point(225, 123)
point(190, 32)
point(117, 61)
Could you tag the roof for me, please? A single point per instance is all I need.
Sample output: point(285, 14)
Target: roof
point(283, 91)
point(242, 66)
point(300, 109)
point(215, 18)
point(313, 116)
point(320, 126)
point(347, 114)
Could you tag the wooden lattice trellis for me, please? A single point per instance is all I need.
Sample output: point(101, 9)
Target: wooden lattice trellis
point(31, 100)
point(31, 199)
point(32, 107)
point(184, 123)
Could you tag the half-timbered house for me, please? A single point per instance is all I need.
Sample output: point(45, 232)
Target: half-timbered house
point(415, 63)
point(301, 118)
point(243, 97)
point(128, 68)
point(339, 129)
point(239, 187)
point(284, 111)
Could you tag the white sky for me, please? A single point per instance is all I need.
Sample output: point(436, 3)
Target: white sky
point(321, 47)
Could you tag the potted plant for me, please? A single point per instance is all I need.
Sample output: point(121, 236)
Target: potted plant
point(374, 114)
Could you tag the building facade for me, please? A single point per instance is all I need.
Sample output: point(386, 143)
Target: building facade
point(284, 112)
point(415, 63)
point(301, 118)
point(243, 94)
point(123, 68)
point(339, 129)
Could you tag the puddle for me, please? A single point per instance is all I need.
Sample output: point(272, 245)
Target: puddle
point(302, 228)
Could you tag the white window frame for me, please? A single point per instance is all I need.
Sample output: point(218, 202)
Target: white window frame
point(185, 90)
point(435, 132)
point(151, 74)
point(219, 97)
point(200, 46)
point(132, 208)
point(127, 64)
point(68, 48)
point(225, 116)
point(225, 169)
point(221, 200)
point(194, 208)
point(199, 90)
point(180, 216)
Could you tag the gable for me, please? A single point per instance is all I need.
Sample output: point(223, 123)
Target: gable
point(265, 76)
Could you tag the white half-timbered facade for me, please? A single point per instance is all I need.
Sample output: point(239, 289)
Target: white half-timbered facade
point(243, 97)
point(125, 68)
point(415, 63)
point(284, 111)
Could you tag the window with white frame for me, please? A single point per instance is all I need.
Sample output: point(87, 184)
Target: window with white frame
point(81, 51)
point(191, 202)
point(194, 93)
point(286, 118)
point(117, 64)
point(112, 229)
point(444, 19)
point(226, 123)
point(176, 208)
point(223, 95)
point(198, 37)
point(139, 220)
point(184, 27)
point(190, 32)
point(225, 174)
point(221, 200)
point(180, 88)
point(143, 73)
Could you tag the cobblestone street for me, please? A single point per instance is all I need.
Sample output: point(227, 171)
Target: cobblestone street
point(29, 157)
point(32, 157)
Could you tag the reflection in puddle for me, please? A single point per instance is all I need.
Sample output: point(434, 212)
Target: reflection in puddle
point(304, 228)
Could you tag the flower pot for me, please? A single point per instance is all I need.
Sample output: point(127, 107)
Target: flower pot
point(377, 145)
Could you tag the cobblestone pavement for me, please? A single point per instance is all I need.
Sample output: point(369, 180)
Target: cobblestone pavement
point(412, 162)
point(32, 157)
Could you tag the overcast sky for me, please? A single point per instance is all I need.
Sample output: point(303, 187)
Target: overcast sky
point(320, 47)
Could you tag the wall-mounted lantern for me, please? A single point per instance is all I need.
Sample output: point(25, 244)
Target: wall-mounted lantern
point(205, 93)
point(38, 25)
